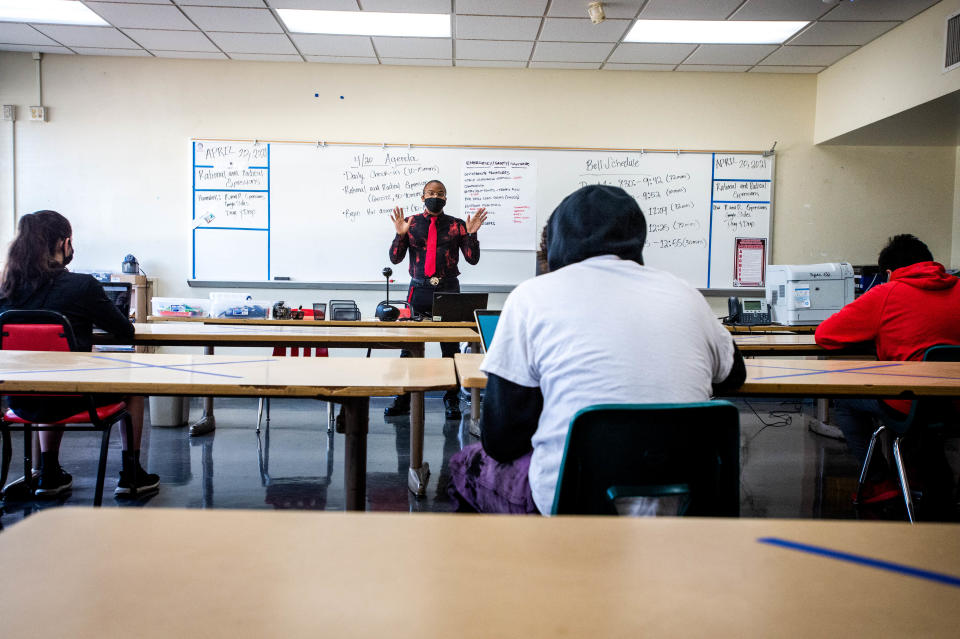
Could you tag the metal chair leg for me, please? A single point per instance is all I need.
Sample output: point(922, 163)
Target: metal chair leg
point(331, 416)
point(259, 413)
point(904, 484)
point(102, 466)
point(268, 413)
point(7, 456)
point(866, 462)
point(28, 457)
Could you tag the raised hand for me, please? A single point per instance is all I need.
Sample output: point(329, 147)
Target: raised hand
point(474, 223)
point(402, 225)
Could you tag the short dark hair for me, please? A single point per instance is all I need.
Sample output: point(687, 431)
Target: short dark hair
point(903, 250)
point(434, 182)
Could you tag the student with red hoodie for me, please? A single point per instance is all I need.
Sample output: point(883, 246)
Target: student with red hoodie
point(918, 307)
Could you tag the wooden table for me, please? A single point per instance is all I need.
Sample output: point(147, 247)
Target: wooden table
point(412, 336)
point(772, 328)
point(806, 378)
point(311, 322)
point(119, 572)
point(350, 382)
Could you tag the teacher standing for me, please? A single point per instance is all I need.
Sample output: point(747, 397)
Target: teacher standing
point(435, 240)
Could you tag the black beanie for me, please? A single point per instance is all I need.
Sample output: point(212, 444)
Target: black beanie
point(595, 220)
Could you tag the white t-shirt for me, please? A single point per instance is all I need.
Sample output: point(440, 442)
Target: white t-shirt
point(604, 330)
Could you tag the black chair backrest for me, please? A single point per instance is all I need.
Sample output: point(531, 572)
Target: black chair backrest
point(930, 411)
point(658, 448)
point(31, 330)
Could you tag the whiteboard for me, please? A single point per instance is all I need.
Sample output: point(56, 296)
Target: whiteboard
point(321, 212)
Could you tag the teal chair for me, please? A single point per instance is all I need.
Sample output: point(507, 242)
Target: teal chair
point(934, 413)
point(686, 453)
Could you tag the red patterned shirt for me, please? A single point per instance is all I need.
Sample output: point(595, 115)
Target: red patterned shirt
point(452, 239)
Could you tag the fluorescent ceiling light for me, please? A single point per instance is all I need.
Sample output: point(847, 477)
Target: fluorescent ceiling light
point(49, 12)
point(367, 23)
point(713, 31)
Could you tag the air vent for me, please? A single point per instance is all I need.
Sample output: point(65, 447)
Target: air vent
point(952, 58)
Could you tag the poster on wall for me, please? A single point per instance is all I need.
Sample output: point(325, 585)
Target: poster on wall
point(750, 262)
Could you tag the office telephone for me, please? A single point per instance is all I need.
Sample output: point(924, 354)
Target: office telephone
point(747, 312)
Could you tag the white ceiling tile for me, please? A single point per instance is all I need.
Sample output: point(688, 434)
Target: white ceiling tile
point(620, 66)
point(582, 30)
point(730, 53)
point(578, 8)
point(114, 52)
point(688, 9)
point(490, 28)
point(413, 47)
point(68, 35)
point(571, 52)
point(315, 44)
point(782, 10)
point(786, 69)
point(197, 55)
point(144, 2)
point(502, 7)
point(19, 33)
point(879, 9)
point(339, 59)
point(408, 6)
point(493, 50)
point(42, 48)
point(845, 32)
point(565, 65)
point(637, 52)
point(276, 43)
point(510, 64)
point(266, 57)
point(228, 19)
point(259, 4)
point(417, 62)
point(151, 16)
point(713, 67)
point(808, 56)
point(316, 5)
point(171, 40)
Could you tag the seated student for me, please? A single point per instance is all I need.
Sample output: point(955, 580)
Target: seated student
point(917, 308)
point(599, 327)
point(35, 277)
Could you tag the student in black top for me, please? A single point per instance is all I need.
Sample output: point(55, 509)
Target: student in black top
point(435, 241)
point(35, 277)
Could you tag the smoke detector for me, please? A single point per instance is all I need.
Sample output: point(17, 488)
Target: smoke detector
point(595, 11)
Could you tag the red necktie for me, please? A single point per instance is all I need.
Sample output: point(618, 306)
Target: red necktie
point(430, 266)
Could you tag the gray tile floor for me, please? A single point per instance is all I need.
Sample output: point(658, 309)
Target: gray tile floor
point(788, 471)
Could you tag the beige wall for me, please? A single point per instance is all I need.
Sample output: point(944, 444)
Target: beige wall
point(955, 259)
point(899, 70)
point(115, 157)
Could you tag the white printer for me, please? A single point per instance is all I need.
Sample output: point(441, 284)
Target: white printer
point(808, 293)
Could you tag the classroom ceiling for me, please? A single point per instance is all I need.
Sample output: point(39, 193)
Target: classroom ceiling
point(553, 34)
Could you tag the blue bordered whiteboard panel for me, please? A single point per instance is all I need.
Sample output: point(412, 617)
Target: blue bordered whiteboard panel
point(320, 214)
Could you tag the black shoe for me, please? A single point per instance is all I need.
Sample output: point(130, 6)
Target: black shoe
point(400, 406)
point(146, 483)
point(53, 483)
point(452, 405)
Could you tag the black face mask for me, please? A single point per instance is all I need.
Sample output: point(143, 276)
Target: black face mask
point(68, 258)
point(434, 204)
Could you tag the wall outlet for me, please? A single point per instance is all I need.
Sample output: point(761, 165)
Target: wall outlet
point(38, 113)
point(9, 113)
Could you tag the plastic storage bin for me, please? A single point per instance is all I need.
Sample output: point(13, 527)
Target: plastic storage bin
point(238, 306)
point(180, 306)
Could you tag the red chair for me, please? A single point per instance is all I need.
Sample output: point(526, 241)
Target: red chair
point(43, 330)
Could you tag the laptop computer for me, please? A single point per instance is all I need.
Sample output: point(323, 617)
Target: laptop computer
point(119, 294)
point(457, 307)
point(486, 325)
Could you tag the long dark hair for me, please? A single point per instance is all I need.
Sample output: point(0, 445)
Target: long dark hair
point(30, 263)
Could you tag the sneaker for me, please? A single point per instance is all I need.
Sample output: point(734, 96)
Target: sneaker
point(875, 492)
point(400, 406)
point(146, 482)
point(452, 405)
point(53, 483)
